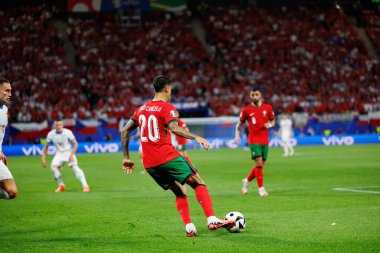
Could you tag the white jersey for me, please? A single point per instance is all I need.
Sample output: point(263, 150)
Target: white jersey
point(286, 128)
point(3, 123)
point(62, 140)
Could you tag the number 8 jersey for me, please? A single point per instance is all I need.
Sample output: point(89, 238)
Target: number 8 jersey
point(257, 117)
point(152, 119)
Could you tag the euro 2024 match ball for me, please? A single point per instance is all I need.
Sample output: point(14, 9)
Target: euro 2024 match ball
point(239, 219)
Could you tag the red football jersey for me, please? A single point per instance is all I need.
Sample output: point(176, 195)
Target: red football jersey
point(181, 140)
point(152, 119)
point(257, 117)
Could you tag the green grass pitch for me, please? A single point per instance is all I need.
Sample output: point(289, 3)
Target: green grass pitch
point(132, 214)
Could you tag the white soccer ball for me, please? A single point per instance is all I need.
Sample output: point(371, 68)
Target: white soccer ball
point(240, 221)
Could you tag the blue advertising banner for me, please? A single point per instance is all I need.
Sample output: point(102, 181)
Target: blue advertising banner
point(114, 147)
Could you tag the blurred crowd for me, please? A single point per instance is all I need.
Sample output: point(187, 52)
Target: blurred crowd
point(372, 25)
point(306, 60)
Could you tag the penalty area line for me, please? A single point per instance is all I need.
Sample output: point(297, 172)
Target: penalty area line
point(358, 189)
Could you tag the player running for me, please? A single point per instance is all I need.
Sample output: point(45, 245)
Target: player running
point(162, 161)
point(66, 145)
point(8, 188)
point(260, 118)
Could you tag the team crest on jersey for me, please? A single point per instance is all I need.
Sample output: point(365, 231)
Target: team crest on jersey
point(172, 113)
point(264, 113)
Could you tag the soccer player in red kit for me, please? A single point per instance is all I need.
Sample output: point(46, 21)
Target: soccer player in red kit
point(260, 118)
point(162, 161)
point(182, 142)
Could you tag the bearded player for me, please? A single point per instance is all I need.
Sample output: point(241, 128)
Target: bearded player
point(260, 118)
point(162, 161)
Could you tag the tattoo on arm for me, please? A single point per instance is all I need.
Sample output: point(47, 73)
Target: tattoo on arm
point(125, 136)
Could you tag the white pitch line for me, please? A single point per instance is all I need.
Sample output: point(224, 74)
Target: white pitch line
point(353, 189)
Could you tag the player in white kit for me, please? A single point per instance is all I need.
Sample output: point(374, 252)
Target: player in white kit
point(8, 188)
point(286, 132)
point(66, 145)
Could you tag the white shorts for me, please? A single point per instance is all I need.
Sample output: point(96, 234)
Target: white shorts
point(4, 172)
point(63, 157)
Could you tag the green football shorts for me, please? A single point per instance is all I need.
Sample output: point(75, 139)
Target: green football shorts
point(175, 170)
point(259, 150)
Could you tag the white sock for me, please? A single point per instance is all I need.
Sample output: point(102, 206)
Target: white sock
point(80, 175)
point(190, 227)
point(212, 219)
point(3, 194)
point(291, 150)
point(262, 189)
point(57, 175)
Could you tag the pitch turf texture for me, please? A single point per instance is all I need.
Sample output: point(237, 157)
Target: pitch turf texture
point(132, 214)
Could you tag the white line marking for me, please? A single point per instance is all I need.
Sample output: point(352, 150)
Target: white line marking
point(353, 189)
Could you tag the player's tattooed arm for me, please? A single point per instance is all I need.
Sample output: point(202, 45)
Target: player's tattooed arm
point(125, 136)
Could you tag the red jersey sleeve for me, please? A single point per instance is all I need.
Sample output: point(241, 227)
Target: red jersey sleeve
point(135, 116)
point(243, 116)
point(169, 114)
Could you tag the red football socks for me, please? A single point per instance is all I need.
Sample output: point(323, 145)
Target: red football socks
point(259, 177)
point(183, 209)
point(252, 174)
point(204, 199)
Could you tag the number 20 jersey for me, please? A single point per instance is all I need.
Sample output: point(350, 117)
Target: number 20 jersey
point(152, 119)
